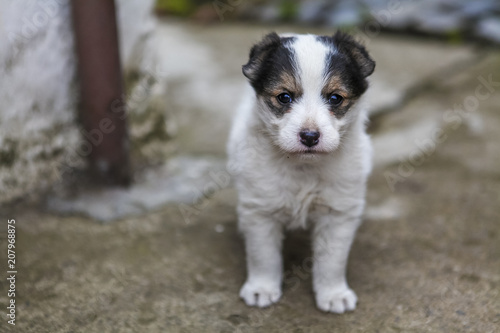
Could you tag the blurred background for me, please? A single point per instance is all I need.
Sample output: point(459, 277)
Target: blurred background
point(114, 117)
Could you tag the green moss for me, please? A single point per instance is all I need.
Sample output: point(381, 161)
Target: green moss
point(454, 37)
point(8, 153)
point(288, 10)
point(350, 29)
point(50, 155)
point(157, 133)
point(176, 7)
point(140, 118)
point(131, 79)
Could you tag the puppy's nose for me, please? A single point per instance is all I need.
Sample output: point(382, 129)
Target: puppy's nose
point(309, 138)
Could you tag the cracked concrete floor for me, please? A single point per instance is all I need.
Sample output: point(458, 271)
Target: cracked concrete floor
point(426, 259)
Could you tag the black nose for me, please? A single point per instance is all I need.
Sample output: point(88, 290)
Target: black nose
point(309, 138)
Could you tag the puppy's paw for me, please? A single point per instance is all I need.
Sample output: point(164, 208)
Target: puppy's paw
point(260, 293)
point(335, 300)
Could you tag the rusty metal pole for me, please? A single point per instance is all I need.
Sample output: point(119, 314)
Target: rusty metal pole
point(101, 87)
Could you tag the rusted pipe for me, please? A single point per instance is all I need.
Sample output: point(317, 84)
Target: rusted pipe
point(101, 87)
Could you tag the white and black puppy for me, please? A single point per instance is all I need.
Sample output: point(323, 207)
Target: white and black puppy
point(300, 157)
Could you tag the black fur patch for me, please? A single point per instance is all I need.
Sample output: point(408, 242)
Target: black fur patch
point(342, 109)
point(351, 64)
point(271, 63)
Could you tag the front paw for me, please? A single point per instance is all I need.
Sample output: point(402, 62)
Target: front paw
point(260, 293)
point(336, 300)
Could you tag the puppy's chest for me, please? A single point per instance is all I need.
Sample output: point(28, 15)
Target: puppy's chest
point(298, 200)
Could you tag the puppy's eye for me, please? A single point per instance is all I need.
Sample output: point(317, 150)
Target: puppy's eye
point(284, 98)
point(335, 100)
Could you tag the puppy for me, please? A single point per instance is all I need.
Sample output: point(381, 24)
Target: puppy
point(300, 158)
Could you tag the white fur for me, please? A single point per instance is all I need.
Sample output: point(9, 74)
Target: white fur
point(280, 187)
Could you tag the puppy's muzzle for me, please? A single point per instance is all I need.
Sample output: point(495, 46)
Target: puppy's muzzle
point(309, 138)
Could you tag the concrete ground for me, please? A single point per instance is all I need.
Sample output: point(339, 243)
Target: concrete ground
point(426, 259)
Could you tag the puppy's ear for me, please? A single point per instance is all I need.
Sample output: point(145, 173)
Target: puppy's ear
point(258, 54)
point(348, 45)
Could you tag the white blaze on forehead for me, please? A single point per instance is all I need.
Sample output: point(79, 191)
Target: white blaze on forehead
point(310, 57)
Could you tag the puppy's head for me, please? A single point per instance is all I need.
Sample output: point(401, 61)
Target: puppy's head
point(307, 87)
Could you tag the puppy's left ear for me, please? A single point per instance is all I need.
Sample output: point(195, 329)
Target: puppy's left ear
point(348, 45)
point(259, 53)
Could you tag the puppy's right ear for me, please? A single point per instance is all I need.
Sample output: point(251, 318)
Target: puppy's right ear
point(258, 54)
point(348, 45)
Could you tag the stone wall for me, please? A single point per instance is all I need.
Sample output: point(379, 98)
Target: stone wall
point(39, 132)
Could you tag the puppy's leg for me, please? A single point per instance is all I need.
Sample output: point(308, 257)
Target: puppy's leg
point(332, 239)
point(263, 240)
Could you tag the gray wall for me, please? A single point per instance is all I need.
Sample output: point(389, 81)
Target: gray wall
point(39, 135)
